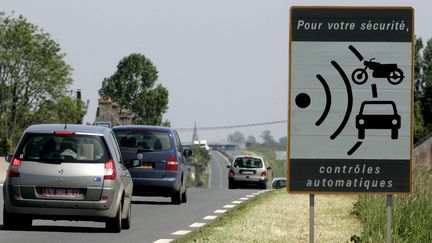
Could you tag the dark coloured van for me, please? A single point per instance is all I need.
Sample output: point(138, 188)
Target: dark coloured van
point(156, 160)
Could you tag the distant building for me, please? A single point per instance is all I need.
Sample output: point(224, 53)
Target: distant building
point(109, 111)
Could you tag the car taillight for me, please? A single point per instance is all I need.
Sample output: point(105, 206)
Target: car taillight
point(264, 174)
point(172, 163)
point(63, 133)
point(231, 173)
point(110, 170)
point(14, 166)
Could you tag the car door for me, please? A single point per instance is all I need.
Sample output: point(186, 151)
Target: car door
point(124, 173)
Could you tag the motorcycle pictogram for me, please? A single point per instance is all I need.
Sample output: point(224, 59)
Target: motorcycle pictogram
point(390, 71)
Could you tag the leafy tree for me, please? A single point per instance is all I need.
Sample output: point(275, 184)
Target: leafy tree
point(423, 88)
point(236, 137)
point(34, 78)
point(267, 137)
point(418, 60)
point(426, 77)
point(133, 86)
point(199, 160)
point(419, 128)
point(283, 140)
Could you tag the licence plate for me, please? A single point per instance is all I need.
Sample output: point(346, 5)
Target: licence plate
point(247, 172)
point(61, 192)
point(146, 166)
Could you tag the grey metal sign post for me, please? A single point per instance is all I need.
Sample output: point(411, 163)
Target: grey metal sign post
point(350, 101)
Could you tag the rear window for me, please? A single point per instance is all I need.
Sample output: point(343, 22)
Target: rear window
point(248, 163)
point(63, 148)
point(144, 140)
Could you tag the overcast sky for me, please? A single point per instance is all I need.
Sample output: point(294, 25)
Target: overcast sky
point(224, 62)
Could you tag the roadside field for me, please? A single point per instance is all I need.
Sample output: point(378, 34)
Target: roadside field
point(277, 216)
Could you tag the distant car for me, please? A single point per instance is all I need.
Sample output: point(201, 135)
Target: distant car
point(279, 182)
point(247, 169)
point(156, 160)
point(378, 115)
point(67, 172)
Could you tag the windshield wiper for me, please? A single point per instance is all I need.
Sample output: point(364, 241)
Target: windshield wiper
point(58, 159)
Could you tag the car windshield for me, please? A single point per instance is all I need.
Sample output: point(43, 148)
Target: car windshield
point(378, 109)
point(144, 140)
point(248, 163)
point(63, 148)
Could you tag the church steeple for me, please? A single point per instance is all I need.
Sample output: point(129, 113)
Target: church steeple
point(195, 134)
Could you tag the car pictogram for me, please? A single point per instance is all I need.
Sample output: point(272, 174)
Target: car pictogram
point(378, 115)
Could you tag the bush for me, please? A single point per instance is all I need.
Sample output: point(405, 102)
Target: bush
point(411, 216)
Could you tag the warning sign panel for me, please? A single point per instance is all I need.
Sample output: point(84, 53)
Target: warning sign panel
point(350, 99)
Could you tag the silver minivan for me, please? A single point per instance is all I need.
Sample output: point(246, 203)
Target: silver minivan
point(247, 169)
point(67, 172)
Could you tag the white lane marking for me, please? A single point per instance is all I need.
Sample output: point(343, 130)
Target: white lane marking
point(1, 184)
point(255, 193)
point(229, 206)
point(250, 196)
point(163, 241)
point(244, 198)
point(197, 225)
point(237, 202)
point(210, 217)
point(181, 232)
point(220, 211)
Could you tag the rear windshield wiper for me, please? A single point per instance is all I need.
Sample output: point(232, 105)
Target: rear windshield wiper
point(140, 149)
point(58, 159)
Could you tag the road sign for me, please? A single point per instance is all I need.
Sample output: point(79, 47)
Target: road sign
point(350, 99)
point(281, 155)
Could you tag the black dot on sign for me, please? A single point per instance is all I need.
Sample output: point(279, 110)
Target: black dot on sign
point(302, 100)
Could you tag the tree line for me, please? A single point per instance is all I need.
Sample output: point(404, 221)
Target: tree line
point(35, 84)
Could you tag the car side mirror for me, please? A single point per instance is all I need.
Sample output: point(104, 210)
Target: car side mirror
point(187, 152)
point(269, 168)
point(8, 158)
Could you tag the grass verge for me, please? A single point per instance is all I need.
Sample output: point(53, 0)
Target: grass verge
point(277, 216)
point(411, 216)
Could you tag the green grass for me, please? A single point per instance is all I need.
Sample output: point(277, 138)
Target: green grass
point(269, 154)
point(411, 216)
point(277, 216)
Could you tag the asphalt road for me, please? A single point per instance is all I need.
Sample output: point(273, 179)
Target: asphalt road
point(154, 219)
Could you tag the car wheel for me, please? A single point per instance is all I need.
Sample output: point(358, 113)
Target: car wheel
point(127, 221)
point(115, 224)
point(184, 196)
point(176, 198)
point(14, 221)
point(231, 185)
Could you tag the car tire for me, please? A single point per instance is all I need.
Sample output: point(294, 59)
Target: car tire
point(184, 196)
point(14, 221)
point(114, 225)
point(176, 198)
point(127, 221)
point(231, 185)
